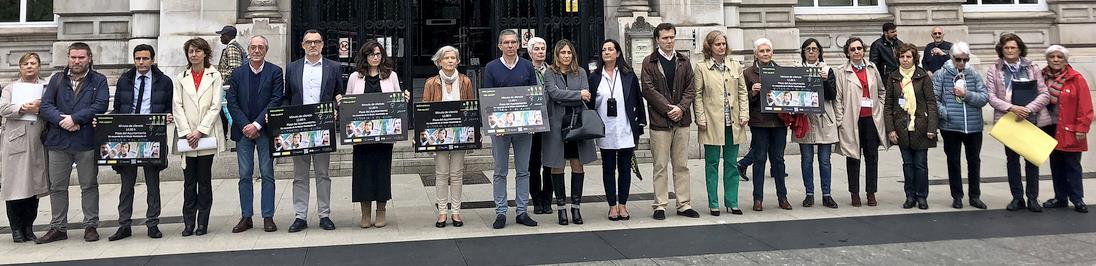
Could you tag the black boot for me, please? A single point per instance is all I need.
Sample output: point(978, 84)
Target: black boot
point(17, 236)
point(576, 196)
point(562, 211)
point(576, 216)
point(28, 233)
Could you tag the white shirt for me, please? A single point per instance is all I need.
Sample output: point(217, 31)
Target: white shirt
point(146, 105)
point(508, 64)
point(311, 80)
point(669, 56)
point(618, 131)
point(446, 95)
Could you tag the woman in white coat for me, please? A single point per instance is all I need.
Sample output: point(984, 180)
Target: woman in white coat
point(196, 111)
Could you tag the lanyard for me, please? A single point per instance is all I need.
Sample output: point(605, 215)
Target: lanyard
point(612, 83)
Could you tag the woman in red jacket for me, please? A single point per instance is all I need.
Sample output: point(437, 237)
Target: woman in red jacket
point(1071, 100)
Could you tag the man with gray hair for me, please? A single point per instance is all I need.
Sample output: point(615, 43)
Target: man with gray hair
point(252, 91)
point(510, 71)
point(936, 52)
point(539, 188)
point(960, 94)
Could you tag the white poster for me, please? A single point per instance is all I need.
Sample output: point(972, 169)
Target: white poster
point(24, 93)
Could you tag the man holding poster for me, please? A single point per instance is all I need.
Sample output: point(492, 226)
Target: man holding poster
point(312, 80)
point(252, 92)
point(144, 89)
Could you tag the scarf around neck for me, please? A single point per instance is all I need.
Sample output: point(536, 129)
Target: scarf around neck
point(909, 94)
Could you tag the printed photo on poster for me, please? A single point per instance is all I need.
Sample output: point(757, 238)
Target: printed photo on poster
point(513, 110)
point(373, 118)
point(302, 129)
point(446, 126)
point(137, 140)
point(791, 90)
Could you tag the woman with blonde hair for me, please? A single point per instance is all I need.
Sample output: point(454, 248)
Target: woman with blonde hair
point(722, 111)
point(25, 177)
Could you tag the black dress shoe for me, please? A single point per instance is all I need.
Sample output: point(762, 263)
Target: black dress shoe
point(957, 203)
point(1015, 204)
point(1077, 206)
point(298, 225)
point(1033, 205)
point(28, 233)
point(829, 202)
point(659, 215)
point(122, 233)
point(977, 203)
point(439, 224)
point(154, 232)
point(327, 224)
point(562, 215)
point(538, 209)
point(808, 201)
point(689, 213)
point(1055, 203)
point(922, 204)
point(188, 230)
point(576, 215)
point(736, 211)
point(500, 221)
point(909, 204)
point(201, 230)
point(714, 212)
point(17, 236)
point(457, 223)
point(524, 219)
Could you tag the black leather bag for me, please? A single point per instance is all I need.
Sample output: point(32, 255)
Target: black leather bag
point(584, 125)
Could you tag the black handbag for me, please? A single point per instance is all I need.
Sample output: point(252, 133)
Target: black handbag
point(585, 125)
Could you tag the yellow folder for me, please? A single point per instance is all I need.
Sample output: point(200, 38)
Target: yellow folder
point(1024, 138)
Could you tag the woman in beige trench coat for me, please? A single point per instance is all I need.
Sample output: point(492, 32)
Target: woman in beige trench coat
point(22, 155)
point(860, 126)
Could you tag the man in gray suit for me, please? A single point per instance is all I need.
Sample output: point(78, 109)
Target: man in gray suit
point(312, 79)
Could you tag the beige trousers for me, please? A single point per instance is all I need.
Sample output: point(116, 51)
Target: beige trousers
point(670, 146)
point(448, 179)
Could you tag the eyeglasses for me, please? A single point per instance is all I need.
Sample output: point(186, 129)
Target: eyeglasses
point(960, 60)
point(937, 33)
point(856, 48)
point(373, 54)
point(811, 49)
point(313, 42)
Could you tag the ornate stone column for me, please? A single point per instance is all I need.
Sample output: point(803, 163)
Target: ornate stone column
point(264, 9)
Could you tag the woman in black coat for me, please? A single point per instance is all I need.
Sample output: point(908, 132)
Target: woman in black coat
point(618, 100)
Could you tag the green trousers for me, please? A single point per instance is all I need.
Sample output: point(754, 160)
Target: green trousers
point(729, 154)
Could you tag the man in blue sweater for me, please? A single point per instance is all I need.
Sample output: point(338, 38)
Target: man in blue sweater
point(509, 71)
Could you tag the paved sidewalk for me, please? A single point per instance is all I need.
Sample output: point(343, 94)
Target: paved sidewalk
point(412, 213)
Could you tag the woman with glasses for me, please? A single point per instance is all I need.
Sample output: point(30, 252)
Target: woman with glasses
point(823, 128)
point(860, 118)
point(960, 96)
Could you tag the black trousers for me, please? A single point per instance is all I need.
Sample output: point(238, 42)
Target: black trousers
point(1065, 169)
point(1031, 172)
point(125, 196)
point(953, 147)
point(617, 174)
point(540, 178)
point(197, 190)
point(869, 150)
point(22, 212)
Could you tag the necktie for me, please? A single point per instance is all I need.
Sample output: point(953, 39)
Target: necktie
point(140, 95)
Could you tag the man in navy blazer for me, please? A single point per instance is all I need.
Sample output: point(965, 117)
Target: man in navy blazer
point(144, 89)
point(252, 91)
point(71, 101)
point(310, 80)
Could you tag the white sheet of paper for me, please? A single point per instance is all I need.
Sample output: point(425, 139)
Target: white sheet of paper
point(24, 93)
point(866, 102)
point(206, 143)
point(902, 103)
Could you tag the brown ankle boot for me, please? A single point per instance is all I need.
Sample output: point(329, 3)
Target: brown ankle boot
point(367, 212)
point(856, 199)
point(871, 199)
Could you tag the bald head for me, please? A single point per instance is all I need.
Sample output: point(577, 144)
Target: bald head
point(937, 34)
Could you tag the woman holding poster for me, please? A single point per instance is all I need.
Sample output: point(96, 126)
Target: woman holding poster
point(24, 172)
point(448, 85)
point(823, 128)
point(372, 174)
point(196, 107)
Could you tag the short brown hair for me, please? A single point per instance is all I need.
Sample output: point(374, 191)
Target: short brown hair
point(573, 67)
point(665, 26)
point(849, 42)
point(709, 41)
point(908, 47)
point(80, 46)
point(200, 44)
point(1010, 37)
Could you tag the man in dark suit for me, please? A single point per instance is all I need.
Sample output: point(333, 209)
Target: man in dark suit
point(312, 79)
point(72, 99)
point(253, 91)
point(144, 89)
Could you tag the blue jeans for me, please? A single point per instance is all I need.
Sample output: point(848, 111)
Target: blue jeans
point(915, 168)
point(770, 142)
point(245, 150)
point(824, 150)
point(500, 152)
